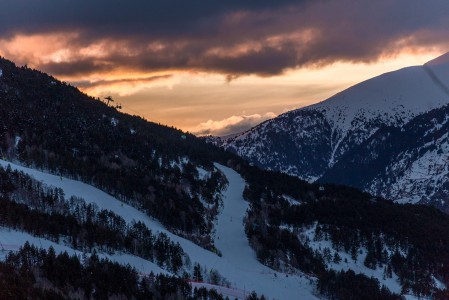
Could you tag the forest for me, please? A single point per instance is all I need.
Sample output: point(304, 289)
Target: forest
point(44, 212)
point(34, 273)
point(409, 240)
point(50, 125)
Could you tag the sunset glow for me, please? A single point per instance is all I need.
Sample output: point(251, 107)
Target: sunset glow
point(240, 67)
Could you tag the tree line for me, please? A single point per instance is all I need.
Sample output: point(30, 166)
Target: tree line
point(28, 205)
point(34, 273)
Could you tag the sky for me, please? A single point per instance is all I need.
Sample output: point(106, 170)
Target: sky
point(220, 67)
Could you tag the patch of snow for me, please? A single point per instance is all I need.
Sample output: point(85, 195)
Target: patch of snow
point(17, 140)
point(287, 227)
point(438, 283)
point(292, 201)
point(114, 122)
point(1, 73)
point(179, 163)
point(203, 174)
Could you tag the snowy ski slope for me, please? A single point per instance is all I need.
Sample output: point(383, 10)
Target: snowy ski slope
point(238, 263)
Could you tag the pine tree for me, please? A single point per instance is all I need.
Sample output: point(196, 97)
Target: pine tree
point(337, 258)
point(197, 276)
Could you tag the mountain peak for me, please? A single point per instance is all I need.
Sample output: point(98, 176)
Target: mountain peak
point(440, 60)
point(290, 142)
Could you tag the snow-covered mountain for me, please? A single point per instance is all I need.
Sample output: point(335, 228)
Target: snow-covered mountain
point(113, 186)
point(409, 164)
point(309, 142)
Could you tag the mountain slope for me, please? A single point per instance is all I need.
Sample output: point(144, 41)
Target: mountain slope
point(325, 228)
point(238, 263)
point(310, 141)
point(410, 164)
point(139, 192)
point(241, 272)
point(50, 125)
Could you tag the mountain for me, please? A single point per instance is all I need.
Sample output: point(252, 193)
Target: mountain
point(97, 204)
point(409, 164)
point(48, 124)
point(315, 142)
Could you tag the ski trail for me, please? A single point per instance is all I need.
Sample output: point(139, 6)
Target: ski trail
point(231, 238)
point(233, 243)
point(238, 264)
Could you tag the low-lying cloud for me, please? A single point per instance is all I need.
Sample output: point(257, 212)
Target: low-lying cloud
point(231, 125)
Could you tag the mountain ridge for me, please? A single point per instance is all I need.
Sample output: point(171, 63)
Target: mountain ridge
point(309, 141)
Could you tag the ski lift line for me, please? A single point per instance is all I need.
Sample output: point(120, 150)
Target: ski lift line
point(129, 108)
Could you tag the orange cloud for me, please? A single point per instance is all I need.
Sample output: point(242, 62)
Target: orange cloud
point(38, 49)
point(231, 125)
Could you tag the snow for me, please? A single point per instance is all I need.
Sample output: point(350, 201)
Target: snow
point(392, 98)
point(180, 162)
point(1, 73)
point(411, 181)
point(231, 238)
point(440, 68)
point(405, 93)
point(292, 201)
point(238, 263)
point(114, 122)
point(12, 240)
point(438, 283)
point(234, 246)
point(203, 174)
point(17, 141)
point(347, 262)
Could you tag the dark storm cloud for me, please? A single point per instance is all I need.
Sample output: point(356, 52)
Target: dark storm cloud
point(231, 37)
point(266, 61)
point(148, 17)
point(76, 67)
